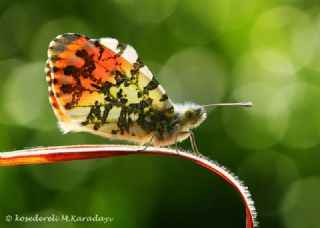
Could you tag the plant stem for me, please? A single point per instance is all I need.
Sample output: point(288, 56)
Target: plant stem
point(80, 152)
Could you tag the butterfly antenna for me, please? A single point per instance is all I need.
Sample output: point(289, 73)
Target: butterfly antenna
point(243, 104)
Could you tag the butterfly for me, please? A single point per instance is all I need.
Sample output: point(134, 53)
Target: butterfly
point(102, 87)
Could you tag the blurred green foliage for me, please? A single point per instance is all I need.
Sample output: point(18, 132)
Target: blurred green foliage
point(202, 51)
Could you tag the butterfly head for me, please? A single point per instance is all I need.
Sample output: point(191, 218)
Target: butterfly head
point(191, 115)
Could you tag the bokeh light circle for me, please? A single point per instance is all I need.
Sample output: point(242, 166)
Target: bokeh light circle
point(25, 94)
point(51, 29)
point(222, 16)
point(315, 64)
point(304, 128)
point(272, 172)
point(262, 125)
point(196, 75)
point(284, 35)
point(14, 30)
point(301, 205)
point(145, 11)
point(60, 175)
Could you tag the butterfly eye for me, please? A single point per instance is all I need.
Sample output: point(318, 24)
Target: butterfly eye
point(189, 115)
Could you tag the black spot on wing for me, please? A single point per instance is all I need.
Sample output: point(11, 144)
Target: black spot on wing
point(71, 70)
point(136, 66)
point(164, 97)
point(100, 47)
point(66, 88)
point(104, 88)
point(153, 84)
point(105, 114)
point(96, 116)
point(123, 101)
point(54, 58)
point(121, 47)
point(53, 81)
point(122, 123)
point(119, 94)
point(89, 64)
point(55, 69)
point(138, 63)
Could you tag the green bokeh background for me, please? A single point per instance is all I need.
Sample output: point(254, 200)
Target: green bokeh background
point(202, 51)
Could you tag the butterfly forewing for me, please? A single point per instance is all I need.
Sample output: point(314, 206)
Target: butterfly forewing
point(101, 86)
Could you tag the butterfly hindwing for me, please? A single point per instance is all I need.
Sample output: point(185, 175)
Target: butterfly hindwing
point(101, 86)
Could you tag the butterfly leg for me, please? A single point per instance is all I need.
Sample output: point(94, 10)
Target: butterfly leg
point(149, 143)
point(193, 143)
point(176, 139)
point(176, 143)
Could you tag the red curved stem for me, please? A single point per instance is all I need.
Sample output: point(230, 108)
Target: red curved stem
point(80, 152)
